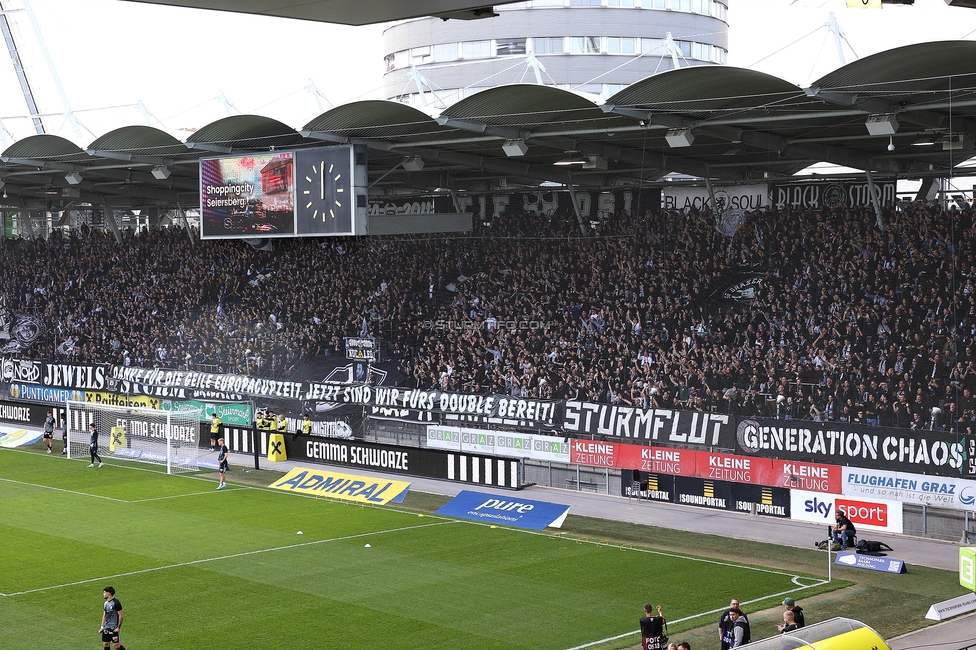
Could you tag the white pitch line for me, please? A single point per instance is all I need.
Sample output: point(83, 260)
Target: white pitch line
point(56, 489)
point(225, 557)
point(694, 616)
point(172, 496)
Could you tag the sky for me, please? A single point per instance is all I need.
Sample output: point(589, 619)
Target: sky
point(111, 55)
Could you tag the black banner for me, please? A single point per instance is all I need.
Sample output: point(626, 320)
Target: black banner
point(20, 370)
point(856, 445)
point(648, 486)
point(761, 500)
point(439, 204)
point(24, 414)
point(412, 461)
point(831, 194)
point(662, 426)
point(704, 493)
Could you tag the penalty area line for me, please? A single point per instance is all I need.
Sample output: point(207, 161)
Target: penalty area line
point(225, 557)
point(57, 489)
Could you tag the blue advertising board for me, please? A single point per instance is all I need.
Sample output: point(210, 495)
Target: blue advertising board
point(495, 509)
point(870, 562)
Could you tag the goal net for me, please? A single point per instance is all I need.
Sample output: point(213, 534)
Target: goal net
point(133, 433)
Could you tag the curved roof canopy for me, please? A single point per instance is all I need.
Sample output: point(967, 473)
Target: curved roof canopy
point(728, 124)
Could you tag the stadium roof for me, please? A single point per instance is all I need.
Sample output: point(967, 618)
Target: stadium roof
point(346, 12)
point(728, 124)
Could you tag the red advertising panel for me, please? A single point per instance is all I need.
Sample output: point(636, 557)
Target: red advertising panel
point(660, 460)
point(595, 454)
point(863, 513)
point(812, 477)
point(738, 469)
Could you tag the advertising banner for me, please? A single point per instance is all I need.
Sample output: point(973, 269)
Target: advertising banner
point(811, 477)
point(967, 567)
point(866, 513)
point(761, 500)
point(348, 487)
point(35, 393)
point(115, 399)
point(248, 196)
point(499, 443)
point(14, 437)
point(650, 486)
point(845, 443)
point(937, 491)
point(869, 562)
point(23, 414)
point(703, 493)
point(738, 197)
point(430, 463)
point(644, 425)
point(231, 414)
point(490, 508)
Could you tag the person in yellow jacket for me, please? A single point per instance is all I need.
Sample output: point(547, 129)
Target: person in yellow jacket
point(215, 423)
point(306, 426)
point(281, 425)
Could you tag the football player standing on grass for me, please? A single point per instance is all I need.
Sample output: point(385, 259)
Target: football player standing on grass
point(222, 455)
point(93, 445)
point(49, 430)
point(111, 619)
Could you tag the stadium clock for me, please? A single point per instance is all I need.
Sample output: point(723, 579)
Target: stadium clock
point(324, 191)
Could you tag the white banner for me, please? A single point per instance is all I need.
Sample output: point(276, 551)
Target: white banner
point(937, 491)
point(738, 197)
point(499, 443)
point(867, 514)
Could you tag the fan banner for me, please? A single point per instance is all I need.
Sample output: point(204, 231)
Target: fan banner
point(859, 445)
point(665, 426)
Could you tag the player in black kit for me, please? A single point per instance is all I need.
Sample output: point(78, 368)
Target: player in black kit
point(93, 446)
point(111, 619)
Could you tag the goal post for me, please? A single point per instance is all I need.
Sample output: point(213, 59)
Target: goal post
point(135, 433)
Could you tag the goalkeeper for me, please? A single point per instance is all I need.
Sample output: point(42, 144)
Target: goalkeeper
point(223, 455)
point(93, 445)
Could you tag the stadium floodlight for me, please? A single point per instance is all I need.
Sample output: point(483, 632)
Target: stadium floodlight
point(882, 124)
point(413, 163)
point(515, 147)
point(679, 138)
point(73, 178)
point(160, 172)
point(133, 433)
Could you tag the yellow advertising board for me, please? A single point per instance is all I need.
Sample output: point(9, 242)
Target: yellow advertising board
point(114, 399)
point(349, 487)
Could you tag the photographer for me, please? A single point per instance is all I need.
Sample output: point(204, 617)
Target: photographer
point(652, 628)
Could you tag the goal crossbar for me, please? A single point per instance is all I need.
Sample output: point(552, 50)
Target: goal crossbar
point(134, 433)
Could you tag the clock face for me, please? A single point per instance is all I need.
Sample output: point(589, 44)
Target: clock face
point(324, 191)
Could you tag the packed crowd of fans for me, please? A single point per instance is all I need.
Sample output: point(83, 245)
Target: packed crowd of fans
point(849, 321)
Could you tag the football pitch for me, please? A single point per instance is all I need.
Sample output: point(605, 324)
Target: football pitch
point(198, 568)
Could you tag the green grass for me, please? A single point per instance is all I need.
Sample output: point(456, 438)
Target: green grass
point(197, 568)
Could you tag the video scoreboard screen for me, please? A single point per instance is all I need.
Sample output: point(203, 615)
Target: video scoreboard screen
point(302, 193)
